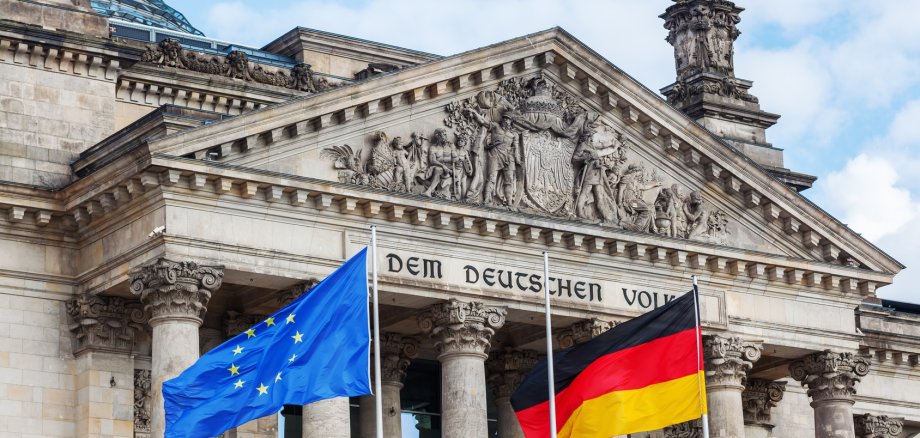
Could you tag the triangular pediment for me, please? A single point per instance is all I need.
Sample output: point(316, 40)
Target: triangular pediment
point(539, 125)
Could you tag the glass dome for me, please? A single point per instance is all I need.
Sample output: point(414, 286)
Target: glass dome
point(148, 12)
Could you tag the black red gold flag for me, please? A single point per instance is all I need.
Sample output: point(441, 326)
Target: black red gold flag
point(643, 374)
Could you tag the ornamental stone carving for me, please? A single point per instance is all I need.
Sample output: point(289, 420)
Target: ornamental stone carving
point(172, 289)
point(459, 327)
point(728, 359)
point(236, 65)
point(687, 429)
point(396, 353)
point(703, 33)
point(237, 322)
point(528, 146)
point(287, 296)
point(878, 426)
point(141, 403)
point(759, 398)
point(829, 375)
point(104, 323)
point(507, 369)
point(582, 331)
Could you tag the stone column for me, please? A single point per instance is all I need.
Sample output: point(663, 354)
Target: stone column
point(507, 370)
point(103, 328)
point(396, 353)
point(759, 398)
point(462, 333)
point(688, 429)
point(728, 359)
point(582, 331)
point(328, 418)
point(831, 380)
point(175, 295)
point(878, 426)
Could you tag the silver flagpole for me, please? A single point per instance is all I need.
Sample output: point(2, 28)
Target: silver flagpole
point(378, 394)
point(704, 418)
point(551, 376)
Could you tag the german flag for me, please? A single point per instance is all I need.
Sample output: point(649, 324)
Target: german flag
point(642, 375)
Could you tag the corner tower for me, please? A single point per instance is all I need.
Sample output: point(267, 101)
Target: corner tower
point(703, 33)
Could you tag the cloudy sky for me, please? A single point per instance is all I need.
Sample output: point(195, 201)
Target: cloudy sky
point(844, 75)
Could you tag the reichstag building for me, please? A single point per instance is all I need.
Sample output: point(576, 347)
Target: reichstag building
point(161, 191)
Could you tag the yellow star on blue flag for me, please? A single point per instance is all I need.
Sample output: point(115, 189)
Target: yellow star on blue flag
point(256, 372)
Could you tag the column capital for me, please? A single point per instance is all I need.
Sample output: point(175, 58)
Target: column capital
point(238, 322)
point(759, 398)
point(687, 429)
point(396, 353)
point(459, 327)
point(507, 369)
point(105, 323)
point(175, 290)
point(582, 331)
point(829, 375)
point(878, 426)
point(287, 296)
point(728, 359)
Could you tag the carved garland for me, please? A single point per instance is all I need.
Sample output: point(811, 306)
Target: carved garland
point(527, 146)
point(236, 65)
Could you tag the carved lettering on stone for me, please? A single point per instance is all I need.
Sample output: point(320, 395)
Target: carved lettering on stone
point(175, 289)
point(507, 369)
point(105, 323)
point(728, 359)
point(141, 402)
point(582, 331)
point(829, 375)
point(461, 327)
point(878, 426)
point(236, 65)
point(759, 398)
point(527, 146)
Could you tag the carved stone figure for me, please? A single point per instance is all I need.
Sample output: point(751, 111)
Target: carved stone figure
point(530, 147)
point(703, 33)
point(235, 64)
point(141, 402)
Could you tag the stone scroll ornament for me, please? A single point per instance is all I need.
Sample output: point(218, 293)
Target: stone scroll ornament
point(236, 65)
point(528, 146)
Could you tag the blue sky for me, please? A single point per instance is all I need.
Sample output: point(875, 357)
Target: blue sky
point(844, 75)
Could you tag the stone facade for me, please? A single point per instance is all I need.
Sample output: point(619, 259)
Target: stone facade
point(151, 213)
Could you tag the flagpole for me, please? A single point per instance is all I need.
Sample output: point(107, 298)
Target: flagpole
point(378, 393)
point(551, 376)
point(704, 418)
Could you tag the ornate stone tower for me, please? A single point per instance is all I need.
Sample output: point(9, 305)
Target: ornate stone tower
point(703, 34)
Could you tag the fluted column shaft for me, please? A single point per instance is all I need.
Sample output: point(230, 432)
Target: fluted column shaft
point(728, 359)
point(831, 380)
point(328, 418)
point(507, 370)
point(396, 353)
point(462, 333)
point(175, 294)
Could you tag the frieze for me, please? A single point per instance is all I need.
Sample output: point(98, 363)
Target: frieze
point(527, 146)
point(107, 323)
point(236, 65)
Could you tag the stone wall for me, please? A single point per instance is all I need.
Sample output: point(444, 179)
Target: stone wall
point(37, 379)
point(47, 119)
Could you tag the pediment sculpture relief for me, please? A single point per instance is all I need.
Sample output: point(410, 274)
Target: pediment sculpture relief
point(236, 65)
point(527, 146)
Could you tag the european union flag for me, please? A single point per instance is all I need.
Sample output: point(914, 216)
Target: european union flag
point(317, 347)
